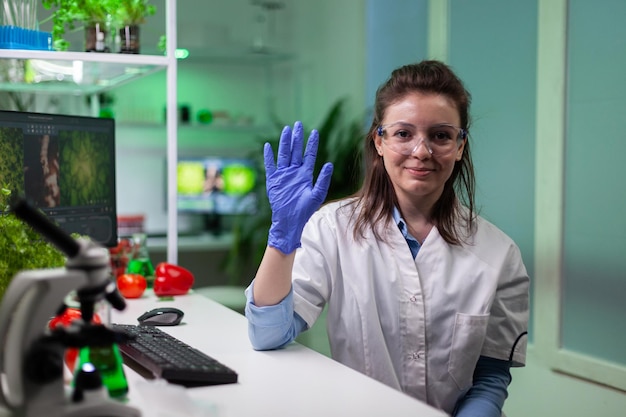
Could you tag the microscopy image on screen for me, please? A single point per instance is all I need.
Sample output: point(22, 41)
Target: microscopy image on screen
point(41, 171)
point(84, 161)
point(216, 185)
point(65, 165)
point(12, 166)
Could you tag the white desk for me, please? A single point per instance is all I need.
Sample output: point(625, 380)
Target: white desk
point(294, 381)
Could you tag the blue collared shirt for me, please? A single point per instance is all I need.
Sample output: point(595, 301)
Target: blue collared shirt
point(414, 245)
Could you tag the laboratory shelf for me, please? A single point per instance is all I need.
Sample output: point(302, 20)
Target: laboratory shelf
point(73, 72)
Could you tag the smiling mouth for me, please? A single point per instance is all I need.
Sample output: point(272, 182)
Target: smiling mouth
point(416, 169)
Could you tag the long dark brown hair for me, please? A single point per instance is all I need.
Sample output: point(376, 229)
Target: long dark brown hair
point(376, 198)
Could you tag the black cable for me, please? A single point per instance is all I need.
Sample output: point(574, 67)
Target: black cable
point(514, 345)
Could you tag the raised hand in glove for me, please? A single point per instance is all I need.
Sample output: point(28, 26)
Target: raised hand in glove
point(292, 195)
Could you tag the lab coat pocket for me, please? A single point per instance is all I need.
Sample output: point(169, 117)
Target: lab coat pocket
point(467, 341)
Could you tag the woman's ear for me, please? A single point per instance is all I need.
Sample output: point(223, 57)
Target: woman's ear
point(378, 143)
point(459, 152)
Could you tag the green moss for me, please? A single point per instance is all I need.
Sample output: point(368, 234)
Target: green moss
point(21, 247)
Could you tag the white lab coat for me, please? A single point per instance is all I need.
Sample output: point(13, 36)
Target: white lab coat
point(418, 325)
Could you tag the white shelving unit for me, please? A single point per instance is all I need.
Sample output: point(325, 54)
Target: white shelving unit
point(79, 72)
point(86, 73)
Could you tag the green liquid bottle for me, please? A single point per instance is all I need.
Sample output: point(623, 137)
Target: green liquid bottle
point(140, 262)
point(108, 361)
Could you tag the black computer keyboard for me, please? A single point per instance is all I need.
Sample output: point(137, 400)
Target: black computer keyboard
point(164, 356)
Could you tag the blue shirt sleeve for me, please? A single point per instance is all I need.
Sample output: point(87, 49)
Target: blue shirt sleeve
point(489, 390)
point(272, 327)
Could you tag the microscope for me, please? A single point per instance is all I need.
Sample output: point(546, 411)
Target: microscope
point(31, 355)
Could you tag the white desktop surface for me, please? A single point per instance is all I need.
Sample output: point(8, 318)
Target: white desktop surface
point(294, 381)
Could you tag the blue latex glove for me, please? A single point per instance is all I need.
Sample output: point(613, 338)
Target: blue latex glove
point(290, 190)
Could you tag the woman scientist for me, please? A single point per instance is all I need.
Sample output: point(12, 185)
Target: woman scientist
point(423, 294)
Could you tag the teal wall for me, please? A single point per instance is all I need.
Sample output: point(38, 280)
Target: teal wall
point(594, 282)
point(492, 46)
point(396, 34)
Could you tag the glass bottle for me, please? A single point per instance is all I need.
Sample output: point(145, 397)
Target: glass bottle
point(108, 361)
point(140, 262)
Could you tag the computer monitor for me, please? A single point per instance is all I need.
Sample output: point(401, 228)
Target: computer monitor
point(65, 165)
point(215, 186)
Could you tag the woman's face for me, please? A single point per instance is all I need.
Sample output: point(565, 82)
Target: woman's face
point(418, 178)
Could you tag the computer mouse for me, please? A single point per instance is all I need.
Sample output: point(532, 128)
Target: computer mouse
point(162, 316)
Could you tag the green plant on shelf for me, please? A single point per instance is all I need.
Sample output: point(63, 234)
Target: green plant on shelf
point(133, 12)
point(110, 14)
point(70, 14)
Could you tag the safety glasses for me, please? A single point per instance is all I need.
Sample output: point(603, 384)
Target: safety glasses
point(405, 138)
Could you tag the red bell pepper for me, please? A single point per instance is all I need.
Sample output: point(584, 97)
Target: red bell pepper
point(65, 319)
point(172, 279)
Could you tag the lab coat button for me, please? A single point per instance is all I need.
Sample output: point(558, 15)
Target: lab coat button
point(416, 355)
point(413, 298)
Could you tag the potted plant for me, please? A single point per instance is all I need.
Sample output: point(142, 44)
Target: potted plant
point(21, 247)
point(340, 143)
point(130, 15)
point(95, 16)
